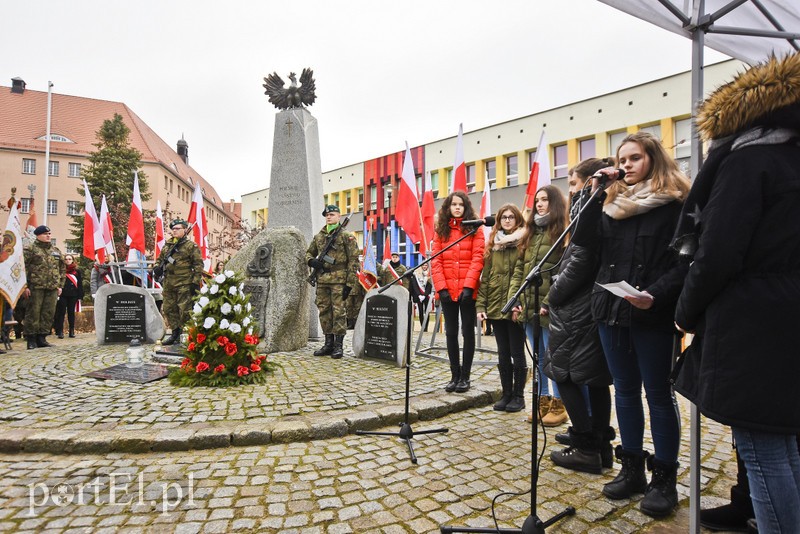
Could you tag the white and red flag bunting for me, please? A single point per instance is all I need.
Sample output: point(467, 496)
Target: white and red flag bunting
point(197, 216)
point(459, 167)
point(486, 208)
point(407, 213)
point(135, 237)
point(368, 275)
point(428, 214)
point(540, 172)
point(107, 230)
point(160, 240)
point(12, 262)
point(92, 232)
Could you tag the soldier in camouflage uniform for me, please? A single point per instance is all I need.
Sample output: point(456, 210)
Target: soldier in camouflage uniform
point(386, 276)
point(334, 282)
point(45, 269)
point(182, 266)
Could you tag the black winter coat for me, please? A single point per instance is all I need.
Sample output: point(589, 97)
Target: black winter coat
point(574, 350)
point(742, 294)
point(71, 291)
point(635, 249)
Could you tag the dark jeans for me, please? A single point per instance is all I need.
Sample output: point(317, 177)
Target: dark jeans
point(638, 356)
point(510, 338)
point(451, 310)
point(65, 305)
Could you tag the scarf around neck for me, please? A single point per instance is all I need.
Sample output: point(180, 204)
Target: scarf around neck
point(503, 240)
point(637, 199)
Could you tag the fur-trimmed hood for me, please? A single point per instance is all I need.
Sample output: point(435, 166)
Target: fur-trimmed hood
point(766, 94)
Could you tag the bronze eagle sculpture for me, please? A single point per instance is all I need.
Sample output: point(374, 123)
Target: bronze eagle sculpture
point(294, 96)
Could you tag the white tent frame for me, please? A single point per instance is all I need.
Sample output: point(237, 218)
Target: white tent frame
point(763, 32)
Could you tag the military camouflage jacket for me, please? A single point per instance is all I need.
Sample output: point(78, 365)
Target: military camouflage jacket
point(345, 256)
point(44, 266)
point(184, 266)
point(385, 276)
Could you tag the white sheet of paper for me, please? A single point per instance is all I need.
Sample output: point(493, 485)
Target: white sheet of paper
point(622, 289)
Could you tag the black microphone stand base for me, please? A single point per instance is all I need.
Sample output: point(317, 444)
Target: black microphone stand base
point(532, 525)
point(406, 433)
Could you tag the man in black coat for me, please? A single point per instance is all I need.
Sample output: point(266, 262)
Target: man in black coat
point(742, 293)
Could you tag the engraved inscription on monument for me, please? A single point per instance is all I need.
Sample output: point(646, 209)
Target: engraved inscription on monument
point(147, 372)
point(380, 328)
point(125, 317)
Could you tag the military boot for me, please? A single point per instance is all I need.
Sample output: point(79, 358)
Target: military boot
point(630, 479)
point(507, 383)
point(338, 348)
point(327, 348)
point(174, 337)
point(517, 403)
point(41, 341)
point(31, 342)
point(661, 496)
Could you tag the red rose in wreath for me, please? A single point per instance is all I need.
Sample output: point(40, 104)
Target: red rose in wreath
point(202, 366)
point(231, 349)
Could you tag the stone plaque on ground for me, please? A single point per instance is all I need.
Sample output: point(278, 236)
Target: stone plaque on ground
point(382, 326)
point(147, 372)
point(124, 317)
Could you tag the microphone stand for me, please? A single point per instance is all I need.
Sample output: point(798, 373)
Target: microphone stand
point(406, 433)
point(532, 524)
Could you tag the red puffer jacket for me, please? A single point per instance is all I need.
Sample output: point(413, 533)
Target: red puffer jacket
point(460, 266)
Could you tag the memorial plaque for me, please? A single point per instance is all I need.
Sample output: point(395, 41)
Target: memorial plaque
point(125, 318)
point(147, 372)
point(380, 328)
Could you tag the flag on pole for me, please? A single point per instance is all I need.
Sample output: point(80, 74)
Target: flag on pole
point(160, 240)
point(107, 230)
point(540, 172)
point(92, 233)
point(406, 211)
point(459, 167)
point(428, 214)
point(32, 223)
point(197, 215)
point(12, 261)
point(486, 209)
point(387, 247)
point(135, 237)
point(368, 275)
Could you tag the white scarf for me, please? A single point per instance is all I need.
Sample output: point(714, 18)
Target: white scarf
point(637, 199)
point(422, 278)
point(503, 240)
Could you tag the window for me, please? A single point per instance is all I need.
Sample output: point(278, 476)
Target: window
point(335, 199)
point(435, 184)
point(512, 174)
point(52, 207)
point(73, 207)
point(683, 145)
point(166, 182)
point(586, 149)
point(53, 168)
point(386, 199)
point(471, 178)
point(420, 187)
point(655, 130)
point(348, 197)
point(449, 179)
point(560, 165)
point(74, 170)
point(25, 205)
point(491, 174)
point(53, 241)
point(614, 140)
point(28, 166)
point(72, 249)
point(373, 197)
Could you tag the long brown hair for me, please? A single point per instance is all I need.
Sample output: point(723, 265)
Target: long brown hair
point(497, 227)
point(559, 217)
point(664, 172)
point(443, 217)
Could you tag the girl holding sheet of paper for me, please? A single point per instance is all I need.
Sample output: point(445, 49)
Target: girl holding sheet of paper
point(633, 228)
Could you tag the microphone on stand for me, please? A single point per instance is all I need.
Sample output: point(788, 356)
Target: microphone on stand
point(489, 220)
point(609, 173)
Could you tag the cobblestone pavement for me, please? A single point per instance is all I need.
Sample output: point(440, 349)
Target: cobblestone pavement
point(344, 483)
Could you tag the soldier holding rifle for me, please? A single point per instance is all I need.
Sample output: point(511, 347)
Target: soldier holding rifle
point(333, 259)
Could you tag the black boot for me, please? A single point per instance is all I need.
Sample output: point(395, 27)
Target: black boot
point(338, 349)
point(60, 334)
point(463, 382)
point(517, 403)
point(582, 455)
point(630, 479)
point(565, 438)
point(72, 332)
point(728, 517)
point(507, 383)
point(661, 497)
point(41, 341)
point(606, 449)
point(174, 337)
point(455, 374)
point(327, 348)
point(31, 342)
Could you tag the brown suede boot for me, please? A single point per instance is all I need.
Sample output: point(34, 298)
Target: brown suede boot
point(556, 415)
point(544, 407)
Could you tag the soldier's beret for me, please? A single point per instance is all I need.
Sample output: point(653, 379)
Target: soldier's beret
point(329, 208)
point(41, 230)
point(177, 222)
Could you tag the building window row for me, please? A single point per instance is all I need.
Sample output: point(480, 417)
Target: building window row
point(52, 207)
point(73, 207)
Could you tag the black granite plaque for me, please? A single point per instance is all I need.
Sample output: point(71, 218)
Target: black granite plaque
point(380, 328)
point(147, 372)
point(125, 317)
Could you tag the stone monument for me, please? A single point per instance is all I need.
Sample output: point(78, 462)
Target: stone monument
point(122, 313)
point(273, 265)
point(382, 327)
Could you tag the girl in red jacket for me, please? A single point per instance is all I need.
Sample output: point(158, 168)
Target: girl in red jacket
point(456, 276)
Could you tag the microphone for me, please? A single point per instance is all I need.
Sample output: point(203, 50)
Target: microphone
point(609, 173)
point(489, 220)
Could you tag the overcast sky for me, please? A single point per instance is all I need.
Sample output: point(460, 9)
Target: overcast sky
point(386, 72)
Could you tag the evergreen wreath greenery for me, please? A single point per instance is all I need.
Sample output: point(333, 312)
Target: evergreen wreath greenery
point(222, 348)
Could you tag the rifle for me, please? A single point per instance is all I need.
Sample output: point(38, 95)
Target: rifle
point(158, 270)
point(323, 255)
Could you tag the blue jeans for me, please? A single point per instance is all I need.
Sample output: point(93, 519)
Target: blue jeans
point(773, 471)
point(544, 382)
point(639, 356)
